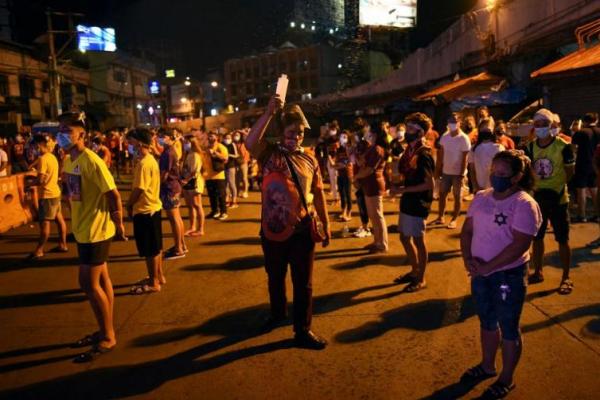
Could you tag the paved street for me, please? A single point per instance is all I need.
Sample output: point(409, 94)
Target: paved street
point(197, 338)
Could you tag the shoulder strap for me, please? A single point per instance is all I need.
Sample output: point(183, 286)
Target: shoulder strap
point(295, 179)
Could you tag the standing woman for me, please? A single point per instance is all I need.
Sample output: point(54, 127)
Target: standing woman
point(193, 185)
point(372, 182)
point(243, 162)
point(481, 156)
point(495, 240)
point(231, 170)
point(344, 175)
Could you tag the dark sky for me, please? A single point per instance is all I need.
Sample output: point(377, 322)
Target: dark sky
point(201, 34)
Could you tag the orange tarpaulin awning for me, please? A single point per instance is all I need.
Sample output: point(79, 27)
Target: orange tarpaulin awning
point(463, 87)
point(582, 58)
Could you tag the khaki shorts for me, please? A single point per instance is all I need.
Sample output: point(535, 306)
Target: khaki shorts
point(49, 209)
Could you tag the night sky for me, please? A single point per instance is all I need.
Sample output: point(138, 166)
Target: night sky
point(197, 35)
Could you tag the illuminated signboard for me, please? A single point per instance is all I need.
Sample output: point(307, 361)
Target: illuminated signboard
point(170, 73)
point(390, 13)
point(93, 38)
point(154, 87)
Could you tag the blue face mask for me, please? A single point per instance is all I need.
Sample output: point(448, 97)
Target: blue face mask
point(501, 183)
point(64, 140)
point(161, 141)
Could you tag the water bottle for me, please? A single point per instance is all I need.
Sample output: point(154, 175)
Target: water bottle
point(345, 231)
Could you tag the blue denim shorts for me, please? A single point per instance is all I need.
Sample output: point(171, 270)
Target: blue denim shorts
point(499, 300)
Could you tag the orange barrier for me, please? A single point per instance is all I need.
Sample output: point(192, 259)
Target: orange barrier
point(16, 203)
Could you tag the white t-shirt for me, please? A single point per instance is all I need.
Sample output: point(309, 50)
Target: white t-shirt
point(481, 158)
point(454, 148)
point(3, 159)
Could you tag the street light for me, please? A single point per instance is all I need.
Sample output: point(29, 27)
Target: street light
point(184, 100)
point(214, 84)
point(139, 106)
point(292, 24)
point(187, 83)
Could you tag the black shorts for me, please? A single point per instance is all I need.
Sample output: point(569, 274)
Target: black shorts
point(583, 180)
point(93, 253)
point(147, 229)
point(557, 214)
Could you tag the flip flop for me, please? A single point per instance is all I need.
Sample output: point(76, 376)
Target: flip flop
point(93, 354)
point(497, 390)
point(415, 287)
point(143, 289)
point(88, 340)
point(59, 249)
point(535, 278)
point(436, 222)
point(406, 278)
point(476, 374)
point(33, 257)
point(566, 287)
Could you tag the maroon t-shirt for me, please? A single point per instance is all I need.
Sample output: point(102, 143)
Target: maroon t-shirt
point(374, 184)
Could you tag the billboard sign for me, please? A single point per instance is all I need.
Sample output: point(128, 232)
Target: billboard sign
point(93, 38)
point(388, 13)
point(154, 87)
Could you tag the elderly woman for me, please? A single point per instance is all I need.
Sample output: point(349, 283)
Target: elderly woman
point(292, 191)
point(501, 224)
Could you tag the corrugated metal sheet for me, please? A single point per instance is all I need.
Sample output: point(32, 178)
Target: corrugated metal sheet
point(583, 58)
point(467, 86)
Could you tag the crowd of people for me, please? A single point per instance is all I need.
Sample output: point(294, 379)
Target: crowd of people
point(515, 190)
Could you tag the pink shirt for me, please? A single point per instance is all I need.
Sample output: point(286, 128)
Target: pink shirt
point(494, 220)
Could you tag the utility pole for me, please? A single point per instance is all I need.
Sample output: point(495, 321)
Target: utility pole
point(53, 75)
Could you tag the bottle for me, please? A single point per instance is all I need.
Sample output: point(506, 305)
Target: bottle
point(345, 231)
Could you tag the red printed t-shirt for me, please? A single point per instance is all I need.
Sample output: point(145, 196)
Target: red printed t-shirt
point(282, 207)
point(494, 222)
point(374, 184)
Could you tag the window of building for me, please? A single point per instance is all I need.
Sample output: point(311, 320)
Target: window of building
point(27, 87)
point(119, 75)
point(137, 80)
point(81, 89)
point(3, 85)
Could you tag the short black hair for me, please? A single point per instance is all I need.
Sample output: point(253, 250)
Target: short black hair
point(39, 139)
point(170, 132)
point(97, 140)
point(142, 135)
point(590, 118)
point(72, 119)
point(419, 119)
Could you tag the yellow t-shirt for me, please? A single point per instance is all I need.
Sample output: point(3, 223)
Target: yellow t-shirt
point(178, 149)
point(87, 179)
point(210, 174)
point(49, 167)
point(146, 177)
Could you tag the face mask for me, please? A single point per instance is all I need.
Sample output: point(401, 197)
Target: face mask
point(542, 133)
point(400, 134)
point(500, 133)
point(370, 138)
point(554, 131)
point(64, 140)
point(501, 183)
point(236, 138)
point(161, 141)
point(411, 137)
point(452, 126)
point(357, 138)
point(227, 141)
point(187, 146)
point(332, 133)
point(19, 138)
point(343, 140)
point(130, 149)
point(95, 147)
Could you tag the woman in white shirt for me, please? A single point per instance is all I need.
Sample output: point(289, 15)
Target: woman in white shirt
point(480, 158)
point(193, 185)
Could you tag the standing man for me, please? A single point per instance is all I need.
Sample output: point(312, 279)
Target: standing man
point(170, 192)
point(144, 207)
point(585, 142)
point(17, 155)
point(292, 191)
point(553, 164)
point(451, 167)
point(3, 159)
point(96, 216)
point(49, 204)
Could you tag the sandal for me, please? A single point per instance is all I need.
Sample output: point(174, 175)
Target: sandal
point(476, 374)
point(566, 287)
point(535, 278)
point(415, 286)
point(453, 224)
point(33, 257)
point(435, 222)
point(498, 390)
point(143, 289)
point(87, 340)
point(92, 354)
point(406, 278)
point(59, 249)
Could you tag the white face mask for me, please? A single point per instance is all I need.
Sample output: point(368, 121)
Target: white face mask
point(227, 141)
point(400, 134)
point(542, 133)
point(452, 126)
point(332, 132)
point(343, 140)
point(187, 146)
point(554, 131)
point(236, 138)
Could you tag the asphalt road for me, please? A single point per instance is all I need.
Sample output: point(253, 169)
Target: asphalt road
point(198, 337)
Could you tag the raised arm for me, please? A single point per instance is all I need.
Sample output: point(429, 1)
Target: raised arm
point(259, 128)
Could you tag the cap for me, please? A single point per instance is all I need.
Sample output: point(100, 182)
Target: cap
point(543, 114)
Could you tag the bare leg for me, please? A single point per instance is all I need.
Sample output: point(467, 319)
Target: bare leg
point(490, 340)
point(44, 235)
point(411, 253)
point(581, 201)
point(456, 192)
point(564, 250)
point(442, 201)
point(189, 201)
point(62, 230)
point(101, 299)
point(177, 228)
point(511, 353)
point(199, 213)
point(537, 258)
point(153, 264)
point(422, 257)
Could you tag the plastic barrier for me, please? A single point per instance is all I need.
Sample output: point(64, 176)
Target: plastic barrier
point(16, 203)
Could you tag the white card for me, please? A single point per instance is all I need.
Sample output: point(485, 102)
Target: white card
point(282, 86)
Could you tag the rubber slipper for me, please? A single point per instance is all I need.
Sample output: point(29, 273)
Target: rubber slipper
point(92, 354)
point(498, 390)
point(59, 249)
point(143, 289)
point(535, 278)
point(87, 340)
point(566, 287)
point(476, 374)
point(406, 278)
point(415, 287)
point(33, 257)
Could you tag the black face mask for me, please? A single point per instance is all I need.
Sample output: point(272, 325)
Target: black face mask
point(411, 137)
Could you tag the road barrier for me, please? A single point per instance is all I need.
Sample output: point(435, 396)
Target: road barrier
point(16, 202)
